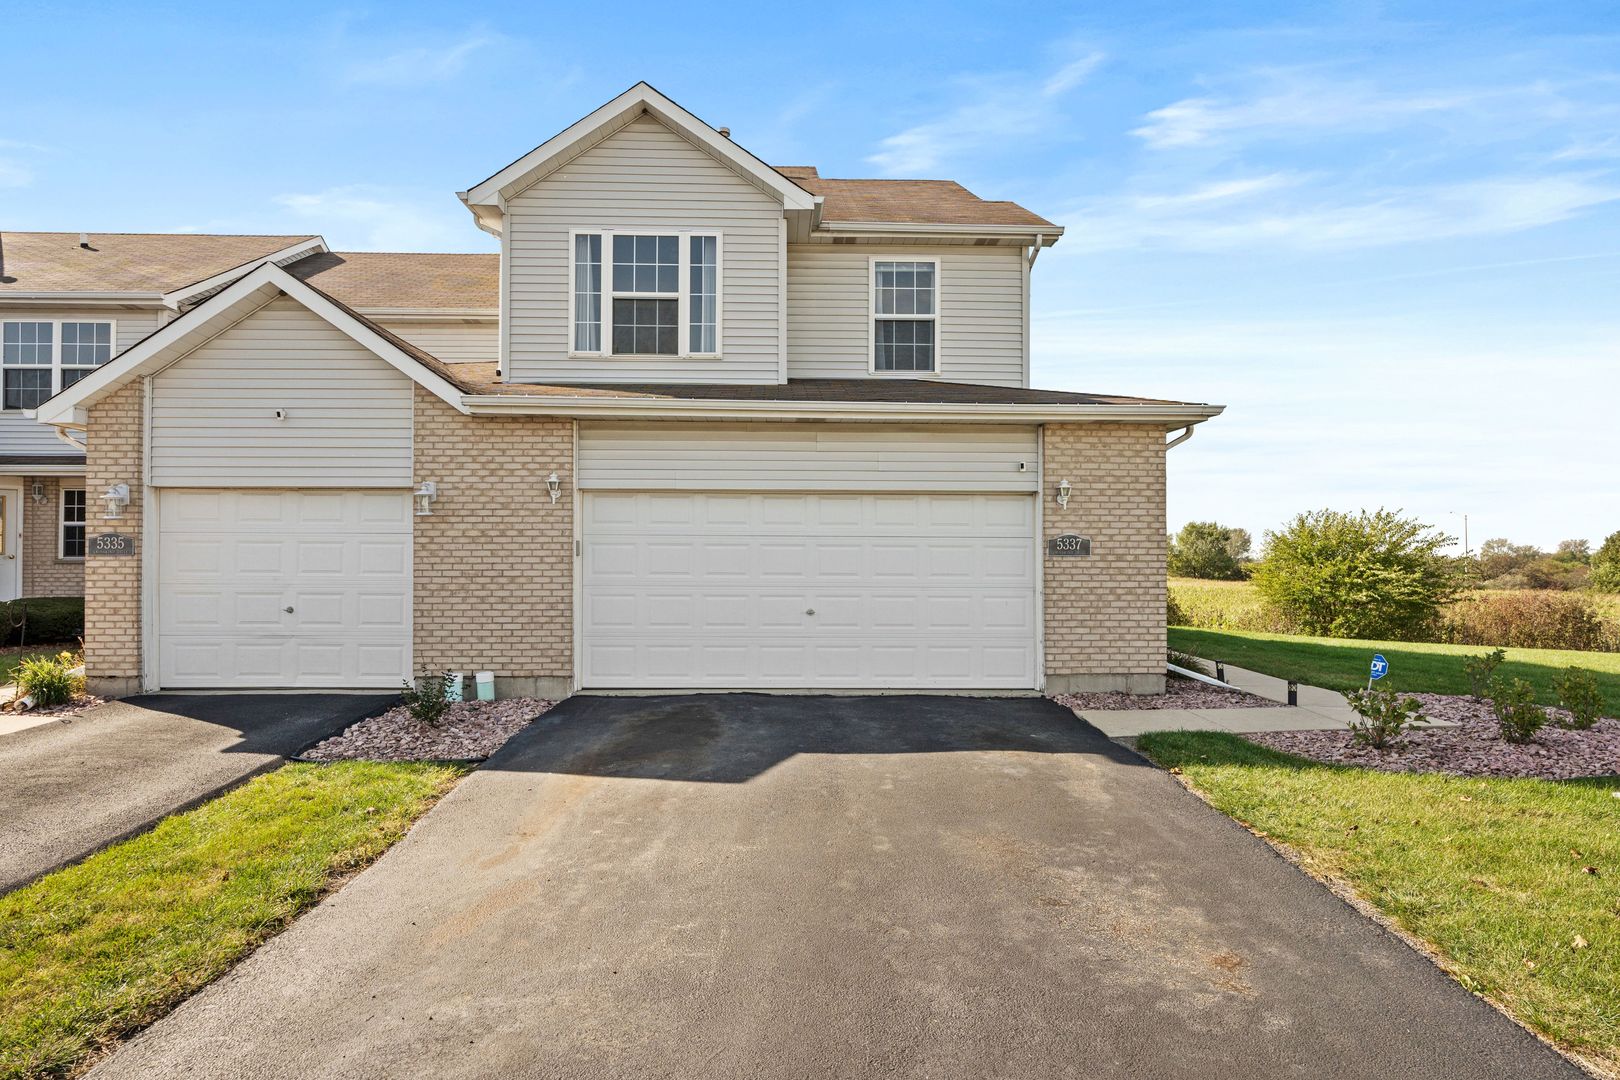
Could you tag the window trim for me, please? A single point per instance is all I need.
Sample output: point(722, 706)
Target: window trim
point(683, 239)
point(62, 523)
point(56, 351)
point(872, 315)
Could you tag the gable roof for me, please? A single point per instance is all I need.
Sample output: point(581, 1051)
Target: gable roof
point(148, 265)
point(405, 281)
point(911, 202)
point(486, 198)
point(246, 295)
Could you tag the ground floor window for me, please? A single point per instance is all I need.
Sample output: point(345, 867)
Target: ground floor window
point(73, 522)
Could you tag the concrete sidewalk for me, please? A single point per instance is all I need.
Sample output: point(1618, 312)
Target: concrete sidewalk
point(1318, 710)
point(75, 785)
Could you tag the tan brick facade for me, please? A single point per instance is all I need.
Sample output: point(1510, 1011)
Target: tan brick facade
point(1105, 618)
point(112, 586)
point(494, 563)
point(44, 573)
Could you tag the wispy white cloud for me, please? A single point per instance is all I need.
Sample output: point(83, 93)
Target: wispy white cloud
point(1295, 107)
point(13, 173)
point(369, 218)
point(996, 107)
point(419, 64)
point(1270, 211)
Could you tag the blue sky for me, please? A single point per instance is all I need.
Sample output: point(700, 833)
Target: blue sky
point(1386, 236)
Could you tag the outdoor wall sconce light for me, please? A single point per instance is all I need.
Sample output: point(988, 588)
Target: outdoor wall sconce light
point(1063, 494)
point(424, 494)
point(39, 492)
point(116, 497)
point(554, 486)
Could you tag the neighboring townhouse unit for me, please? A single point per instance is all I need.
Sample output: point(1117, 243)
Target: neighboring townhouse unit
point(702, 423)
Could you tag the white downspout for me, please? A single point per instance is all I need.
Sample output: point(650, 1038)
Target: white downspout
point(62, 433)
point(1035, 249)
point(1186, 433)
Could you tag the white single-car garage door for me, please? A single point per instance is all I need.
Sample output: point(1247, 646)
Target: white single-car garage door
point(789, 590)
point(284, 588)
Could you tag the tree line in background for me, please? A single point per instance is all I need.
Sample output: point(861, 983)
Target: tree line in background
point(1382, 575)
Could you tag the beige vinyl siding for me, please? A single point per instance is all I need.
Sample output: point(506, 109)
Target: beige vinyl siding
point(19, 434)
point(453, 341)
point(981, 311)
point(645, 176)
point(807, 457)
point(348, 412)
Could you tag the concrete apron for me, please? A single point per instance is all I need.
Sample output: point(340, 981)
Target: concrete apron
point(1318, 710)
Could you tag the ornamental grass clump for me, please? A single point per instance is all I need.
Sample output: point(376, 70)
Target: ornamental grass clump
point(1385, 715)
point(1514, 703)
point(50, 680)
point(1578, 693)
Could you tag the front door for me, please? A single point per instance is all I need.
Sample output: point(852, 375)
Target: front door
point(10, 542)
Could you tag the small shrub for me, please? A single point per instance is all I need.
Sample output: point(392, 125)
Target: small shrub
point(1514, 703)
point(1528, 619)
point(1384, 715)
point(50, 680)
point(1190, 662)
point(1480, 670)
point(425, 701)
point(1173, 615)
point(1578, 692)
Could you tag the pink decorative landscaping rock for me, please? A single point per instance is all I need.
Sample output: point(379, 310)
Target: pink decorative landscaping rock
point(1474, 747)
point(1178, 693)
point(470, 730)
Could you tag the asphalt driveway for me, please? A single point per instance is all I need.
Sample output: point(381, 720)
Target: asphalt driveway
point(71, 787)
point(763, 887)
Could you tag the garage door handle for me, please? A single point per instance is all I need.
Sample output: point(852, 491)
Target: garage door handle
point(809, 611)
point(288, 610)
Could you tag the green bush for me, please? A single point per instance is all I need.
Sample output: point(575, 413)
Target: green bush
point(425, 700)
point(1222, 605)
point(42, 620)
point(50, 680)
point(1384, 715)
point(1203, 549)
point(1606, 565)
point(1527, 619)
point(1479, 670)
point(1516, 710)
point(1361, 575)
point(1578, 693)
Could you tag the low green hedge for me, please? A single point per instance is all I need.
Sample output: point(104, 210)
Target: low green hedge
point(39, 620)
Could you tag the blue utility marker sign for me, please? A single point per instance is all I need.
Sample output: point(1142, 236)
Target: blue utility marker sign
point(1380, 666)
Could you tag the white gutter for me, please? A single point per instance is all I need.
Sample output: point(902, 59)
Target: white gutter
point(1046, 235)
point(617, 408)
point(6, 296)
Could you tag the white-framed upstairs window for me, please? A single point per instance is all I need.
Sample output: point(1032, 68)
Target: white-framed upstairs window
point(39, 357)
point(644, 293)
point(70, 533)
point(905, 316)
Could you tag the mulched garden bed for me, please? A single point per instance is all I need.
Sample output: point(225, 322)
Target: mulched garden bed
point(1179, 693)
point(1474, 747)
point(469, 731)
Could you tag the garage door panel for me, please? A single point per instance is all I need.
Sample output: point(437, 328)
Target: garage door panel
point(908, 591)
point(231, 563)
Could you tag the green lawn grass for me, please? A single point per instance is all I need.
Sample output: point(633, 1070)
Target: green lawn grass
point(1340, 664)
point(95, 951)
point(1492, 873)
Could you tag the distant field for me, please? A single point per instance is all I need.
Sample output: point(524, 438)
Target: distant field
point(1236, 605)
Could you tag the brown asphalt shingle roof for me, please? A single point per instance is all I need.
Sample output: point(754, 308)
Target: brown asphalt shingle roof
point(391, 279)
point(480, 379)
point(48, 262)
point(913, 202)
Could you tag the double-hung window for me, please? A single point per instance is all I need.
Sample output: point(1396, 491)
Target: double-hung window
point(905, 315)
point(646, 294)
point(40, 357)
point(72, 524)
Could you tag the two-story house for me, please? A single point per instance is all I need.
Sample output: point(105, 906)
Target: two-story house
point(702, 423)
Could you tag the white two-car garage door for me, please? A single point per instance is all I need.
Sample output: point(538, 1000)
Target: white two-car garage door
point(780, 590)
point(284, 588)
